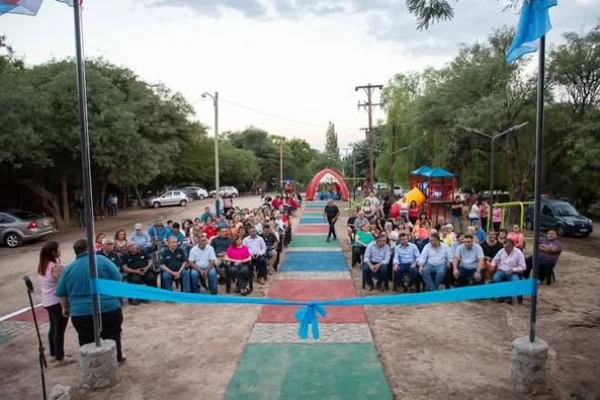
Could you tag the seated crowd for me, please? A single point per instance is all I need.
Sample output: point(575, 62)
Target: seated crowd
point(201, 253)
point(417, 254)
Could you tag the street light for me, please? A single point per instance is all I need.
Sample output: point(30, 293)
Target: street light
point(492, 139)
point(215, 99)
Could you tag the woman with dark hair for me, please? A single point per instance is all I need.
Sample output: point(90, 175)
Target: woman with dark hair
point(413, 212)
point(121, 241)
point(49, 270)
point(238, 256)
point(99, 238)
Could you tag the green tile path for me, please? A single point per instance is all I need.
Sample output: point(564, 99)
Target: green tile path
point(335, 371)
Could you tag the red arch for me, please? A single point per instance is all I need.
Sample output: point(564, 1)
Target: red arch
point(314, 184)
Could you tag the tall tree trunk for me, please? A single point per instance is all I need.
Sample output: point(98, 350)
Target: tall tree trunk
point(48, 200)
point(64, 194)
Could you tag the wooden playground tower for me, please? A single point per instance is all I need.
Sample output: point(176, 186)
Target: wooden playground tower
point(438, 186)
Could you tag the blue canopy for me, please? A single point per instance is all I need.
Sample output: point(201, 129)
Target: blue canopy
point(421, 171)
point(438, 173)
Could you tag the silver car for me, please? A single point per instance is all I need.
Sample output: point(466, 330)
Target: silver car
point(201, 193)
point(169, 198)
point(228, 191)
point(18, 226)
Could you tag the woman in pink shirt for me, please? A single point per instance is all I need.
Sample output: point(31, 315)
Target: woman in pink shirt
point(238, 257)
point(49, 270)
point(497, 219)
point(517, 237)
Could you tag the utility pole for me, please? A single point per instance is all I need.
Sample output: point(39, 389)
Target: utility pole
point(391, 161)
point(281, 164)
point(368, 105)
point(215, 99)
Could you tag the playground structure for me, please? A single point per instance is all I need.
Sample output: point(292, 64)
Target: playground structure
point(337, 186)
point(508, 215)
point(437, 187)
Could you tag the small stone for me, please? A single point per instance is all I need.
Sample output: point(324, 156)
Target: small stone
point(60, 392)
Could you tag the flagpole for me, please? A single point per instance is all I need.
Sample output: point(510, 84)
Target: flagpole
point(539, 148)
point(86, 174)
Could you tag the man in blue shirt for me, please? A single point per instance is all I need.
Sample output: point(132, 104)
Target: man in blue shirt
point(406, 257)
point(375, 262)
point(159, 233)
point(176, 233)
point(142, 239)
point(74, 291)
point(172, 264)
point(435, 259)
point(207, 214)
point(479, 232)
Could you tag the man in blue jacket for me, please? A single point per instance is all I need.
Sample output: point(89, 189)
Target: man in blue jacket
point(74, 291)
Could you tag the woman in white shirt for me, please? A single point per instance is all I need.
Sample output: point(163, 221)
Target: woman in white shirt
point(474, 214)
point(49, 270)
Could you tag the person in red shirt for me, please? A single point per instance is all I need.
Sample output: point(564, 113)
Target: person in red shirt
point(277, 203)
point(210, 230)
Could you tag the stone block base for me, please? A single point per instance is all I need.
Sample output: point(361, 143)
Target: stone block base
point(528, 365)
point(99, 367)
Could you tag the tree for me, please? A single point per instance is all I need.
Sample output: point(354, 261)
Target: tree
point(574, 68)
point(431, 11)
point(136, 131)
point(332, 148)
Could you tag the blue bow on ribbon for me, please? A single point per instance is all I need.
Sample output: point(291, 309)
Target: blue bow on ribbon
point(307, 315)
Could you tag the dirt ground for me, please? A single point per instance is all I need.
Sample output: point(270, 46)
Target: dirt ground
point(174, 351)
point(462, 350)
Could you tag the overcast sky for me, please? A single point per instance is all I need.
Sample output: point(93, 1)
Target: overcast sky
point(287, 66)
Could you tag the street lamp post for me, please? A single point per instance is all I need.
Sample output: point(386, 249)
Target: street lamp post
point(493, 153)
point(215, 100)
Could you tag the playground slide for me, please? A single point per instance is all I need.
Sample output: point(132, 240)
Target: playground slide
point(414, 195)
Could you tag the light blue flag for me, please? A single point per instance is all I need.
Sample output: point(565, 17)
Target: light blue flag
point(25, 7)
point(533, 24)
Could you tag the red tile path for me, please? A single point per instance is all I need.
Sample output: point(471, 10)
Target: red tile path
point(307, 290)
point(320, 229)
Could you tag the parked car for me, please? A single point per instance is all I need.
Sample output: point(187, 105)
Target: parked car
point(383, 189)
point(18, 226)
point(199, 193)
point(225, 191)
point(190, 193)
point(169, 198)
point(561, 216)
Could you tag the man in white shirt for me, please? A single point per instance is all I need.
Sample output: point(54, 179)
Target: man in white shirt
point(202, 259)
point(258, 250)
point(509, 262)
point(375, 203)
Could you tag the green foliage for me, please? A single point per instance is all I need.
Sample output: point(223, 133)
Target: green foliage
point(429, 12)
point(332, 148)
point(479, 90)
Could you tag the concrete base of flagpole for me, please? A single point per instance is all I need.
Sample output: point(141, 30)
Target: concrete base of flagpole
point(99, 367)
point(528, 365)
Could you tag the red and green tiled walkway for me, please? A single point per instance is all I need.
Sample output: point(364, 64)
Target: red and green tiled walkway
point(343, 364)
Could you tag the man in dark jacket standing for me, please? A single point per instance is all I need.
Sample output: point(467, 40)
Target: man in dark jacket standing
point(332, 212)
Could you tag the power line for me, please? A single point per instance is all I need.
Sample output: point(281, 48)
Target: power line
point(283, 118)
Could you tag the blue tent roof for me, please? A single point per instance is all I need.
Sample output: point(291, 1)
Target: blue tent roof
point(438, 173)
point(421, 171)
